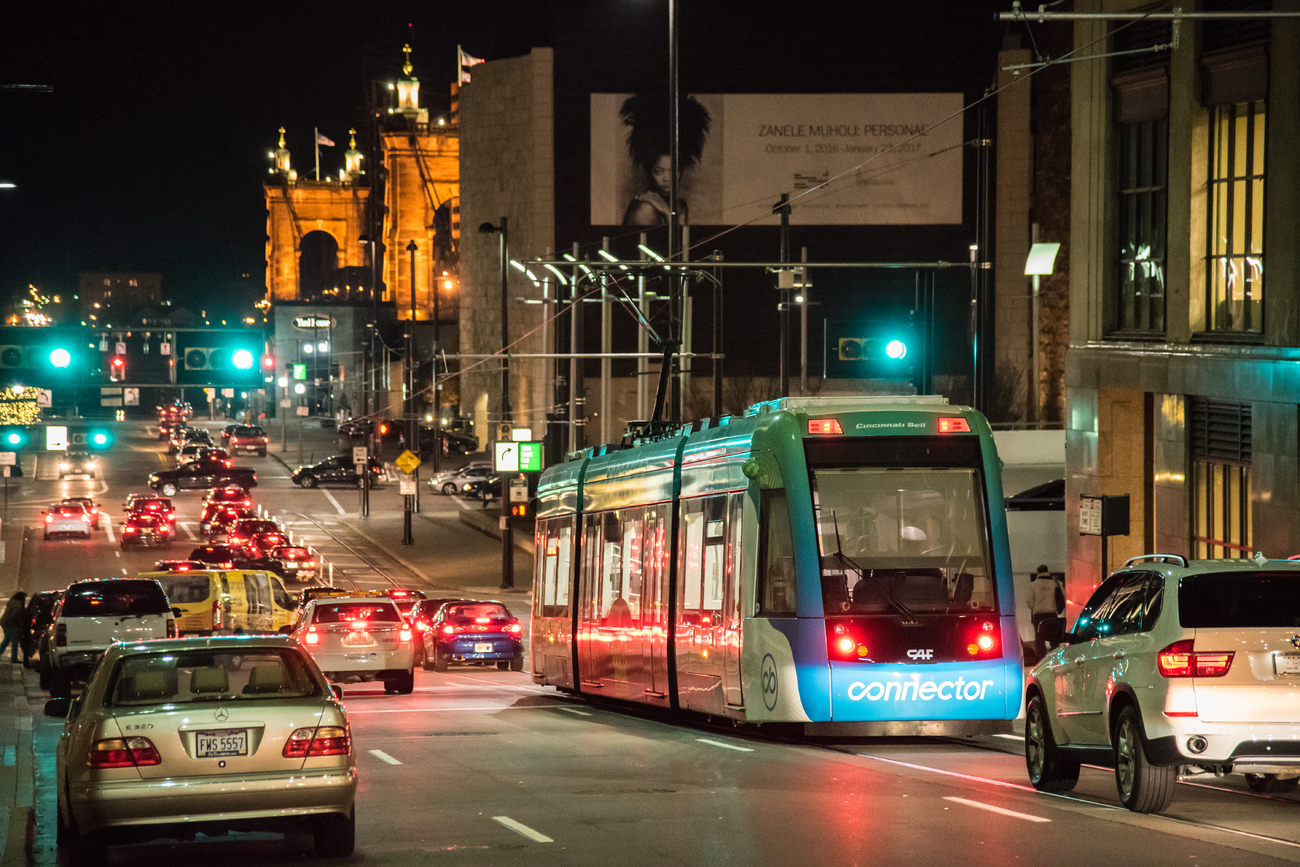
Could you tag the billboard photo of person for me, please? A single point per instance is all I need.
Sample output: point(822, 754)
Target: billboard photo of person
point(646, 117)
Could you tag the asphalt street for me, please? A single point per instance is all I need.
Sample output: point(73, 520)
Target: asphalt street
point(480, 766)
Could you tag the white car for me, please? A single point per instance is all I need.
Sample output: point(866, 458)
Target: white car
point(71, 518)
point(1174, 668)
point(209, 734)
point(452, 481)
point(359, 638)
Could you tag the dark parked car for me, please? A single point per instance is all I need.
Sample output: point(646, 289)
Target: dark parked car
point(338, 470)
point(201, 475)
point(473, 632)
point(142, 530)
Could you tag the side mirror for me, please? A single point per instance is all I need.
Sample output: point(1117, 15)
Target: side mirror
point(176, 612)
point(1052, 631)
point(58, 707)
point(337, 690)
point(286, 630)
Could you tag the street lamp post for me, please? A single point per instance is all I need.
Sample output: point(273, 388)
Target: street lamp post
point(411, 429)
point(507, 536)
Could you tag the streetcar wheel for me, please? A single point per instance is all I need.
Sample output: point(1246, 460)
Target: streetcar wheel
point(1048, 772)
point(1269, 784)
point(1143, 787)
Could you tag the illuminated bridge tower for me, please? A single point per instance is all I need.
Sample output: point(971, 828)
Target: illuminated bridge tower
point(421, 202)
point(313, 231)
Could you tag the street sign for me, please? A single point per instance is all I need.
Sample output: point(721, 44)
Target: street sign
point(407, 462)
point(44, 397)
point(505, 457)
point(56, 438)
point(1090, 516)
point(8, 459)
point(130, 397)
point(406, 487)
point(302, 410)
point(164, 348)
point(360, 454)
point(121, 348)
point(530, 457)
point(227, 392)
point(521, 434)
point(300, 372)
point(285, 403)
point(518, 490)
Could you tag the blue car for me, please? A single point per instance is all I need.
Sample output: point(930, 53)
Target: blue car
point(474, 632)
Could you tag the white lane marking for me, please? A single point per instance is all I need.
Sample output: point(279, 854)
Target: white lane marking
point(123, 570)
point(520, 828)
point(108, 528)
point(575, 711)
point(973, 779)
point(725, 746)
point(1000, 811)
point(330, 497)
point(186, 525)
point(1009, 737)
point(467, 708)
point(384, 757)
point(117, 553)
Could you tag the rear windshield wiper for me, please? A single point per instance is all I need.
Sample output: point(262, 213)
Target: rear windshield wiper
point(881, 585)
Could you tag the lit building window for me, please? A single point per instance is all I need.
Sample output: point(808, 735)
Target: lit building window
point(1221, 458)
point(1235, 223)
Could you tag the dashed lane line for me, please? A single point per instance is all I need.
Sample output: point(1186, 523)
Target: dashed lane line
point(337, 505)
point(520, 828)
point(724, 746)
point(574, 711)
point(999, 810)
point(384, 757)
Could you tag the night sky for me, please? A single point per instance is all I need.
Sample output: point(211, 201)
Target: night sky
point(151, 149)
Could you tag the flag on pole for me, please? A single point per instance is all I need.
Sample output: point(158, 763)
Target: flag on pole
point(466, 60)
point(322, 140)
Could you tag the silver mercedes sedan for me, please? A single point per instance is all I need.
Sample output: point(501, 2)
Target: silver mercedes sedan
point(204, 735)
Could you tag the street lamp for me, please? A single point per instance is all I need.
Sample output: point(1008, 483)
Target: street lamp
point(507, 536)
point(1042, 259)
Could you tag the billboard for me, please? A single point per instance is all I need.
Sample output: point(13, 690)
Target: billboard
point(845, 159)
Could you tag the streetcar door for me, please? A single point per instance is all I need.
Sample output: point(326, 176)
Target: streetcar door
point(654, 598)
point(732, 622)
point(588, 599)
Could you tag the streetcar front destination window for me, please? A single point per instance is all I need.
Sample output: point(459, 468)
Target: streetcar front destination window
point(903, 540)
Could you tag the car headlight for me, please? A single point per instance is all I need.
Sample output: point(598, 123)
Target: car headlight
point(63, 466)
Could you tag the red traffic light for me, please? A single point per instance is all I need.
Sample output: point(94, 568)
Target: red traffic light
point(268, 362)
point(119, 362)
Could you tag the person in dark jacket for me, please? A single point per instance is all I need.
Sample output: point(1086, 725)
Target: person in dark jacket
point(15, 615)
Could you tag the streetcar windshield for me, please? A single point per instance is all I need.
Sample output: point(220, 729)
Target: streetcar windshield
point(903, 541)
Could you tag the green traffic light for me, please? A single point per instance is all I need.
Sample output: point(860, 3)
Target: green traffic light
point(242, 359)
point(99, 439)
point(13, 438)
point(60, 357)
point(896, 349)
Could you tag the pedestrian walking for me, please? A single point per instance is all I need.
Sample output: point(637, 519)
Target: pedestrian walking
point(15, 615)
point(1042, 604)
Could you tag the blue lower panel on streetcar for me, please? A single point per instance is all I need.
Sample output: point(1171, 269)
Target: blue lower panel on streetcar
point(947, 691)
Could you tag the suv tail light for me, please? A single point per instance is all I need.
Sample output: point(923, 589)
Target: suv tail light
point(407, 635)
point(61, 635)
point(312, 636)
point(1180, 659)
point(319, 741)
point(123, 753)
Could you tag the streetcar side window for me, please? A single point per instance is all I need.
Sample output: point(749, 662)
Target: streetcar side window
point(632, 557)
point(705, 560)
point(611, 571)
point(775, 556)
point(554, 539)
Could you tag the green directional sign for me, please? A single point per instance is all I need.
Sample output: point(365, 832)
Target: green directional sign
point(530, 457)
point(300, 372)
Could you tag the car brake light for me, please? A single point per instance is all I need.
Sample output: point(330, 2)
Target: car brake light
point(954, 425)
point(123, 753)
point(406, 634)
point(129, 530)
point(358, 625)
point(515, 628)
point(449, 630)
point(312, 637)
point(61, 635)
point(321, 741)
point(49, 518)
point(825, 427)
point(1180, 660)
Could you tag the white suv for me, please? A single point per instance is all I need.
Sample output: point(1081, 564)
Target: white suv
point(91, 616)
point(1174, 668)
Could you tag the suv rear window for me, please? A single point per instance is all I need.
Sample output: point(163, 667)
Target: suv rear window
point(1240, 599)
point(249, 432)
point(114, 599)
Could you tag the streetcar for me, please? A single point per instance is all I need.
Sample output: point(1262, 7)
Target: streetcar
point(836, 563)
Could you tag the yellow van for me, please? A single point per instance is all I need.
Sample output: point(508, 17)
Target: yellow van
point(226, 600)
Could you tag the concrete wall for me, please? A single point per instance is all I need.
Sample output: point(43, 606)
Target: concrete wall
point(507, 133)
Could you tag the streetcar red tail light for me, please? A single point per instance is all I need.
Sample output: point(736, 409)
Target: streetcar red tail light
point(983, 642)
point(1180, 660)
point(321, 741)
point(954, 425)
point(825, 427)
point(844, 643)
point(123, 753)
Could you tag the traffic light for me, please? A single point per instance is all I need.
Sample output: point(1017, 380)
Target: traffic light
point(519, 510)
point(268, 363)
point(13, 437)
point(895, 349)
point(117, 369)
point(99, 438)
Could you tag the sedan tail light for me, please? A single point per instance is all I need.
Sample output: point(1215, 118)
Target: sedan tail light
point(514, 628)
point(1180, 659)
point(319, 741)
point(123, 753)
point(449, 630)
point(312, 636)
point(406, 634)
